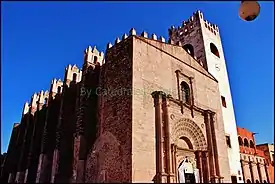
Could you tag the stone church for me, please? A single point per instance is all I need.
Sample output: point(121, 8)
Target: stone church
point(145, 111)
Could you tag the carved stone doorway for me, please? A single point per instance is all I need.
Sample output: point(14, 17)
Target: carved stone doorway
point(187, 169)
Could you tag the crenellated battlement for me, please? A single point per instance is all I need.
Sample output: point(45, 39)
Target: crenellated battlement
point(93, 57)
point(124, 37)
point(56, 86)
point(72, 73)
point(196, 20)
point(153, 36)
point(26, 108)
point(34, 100)
point(43, 97)
point(16, 125)
point(211, 27)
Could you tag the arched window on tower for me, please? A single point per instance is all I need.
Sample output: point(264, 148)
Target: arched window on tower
point(251, 143)
point(214, 50)
point(189, 48)
point(185, 90)
point(240, 141)
point(245, 142)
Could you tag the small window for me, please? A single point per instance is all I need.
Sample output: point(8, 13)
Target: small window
point(223, 101)
point(185, 93)
point(228, 142)
point(234, 179)
point(240, 178)
point(248, 181)
point(214, 50)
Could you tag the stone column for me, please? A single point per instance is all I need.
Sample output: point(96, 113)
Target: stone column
point(262, 172)
point(255, 172)
point(174, 165)
point(242, 165)
point(200, 164)
point(266, 171)
point(206, 170)
point(211, 161)
point(251, 172)
point(259, 172)
point(214, 142)
point(157, 95)
point(167, 143)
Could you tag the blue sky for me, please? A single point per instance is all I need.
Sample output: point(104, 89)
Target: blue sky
point(39, 39)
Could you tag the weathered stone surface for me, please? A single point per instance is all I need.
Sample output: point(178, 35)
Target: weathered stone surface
point(100, 124)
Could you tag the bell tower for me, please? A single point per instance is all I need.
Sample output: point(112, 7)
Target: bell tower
point(202, 41)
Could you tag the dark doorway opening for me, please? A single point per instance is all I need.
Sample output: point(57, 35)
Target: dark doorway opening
point(189, 178)
point(234, 179)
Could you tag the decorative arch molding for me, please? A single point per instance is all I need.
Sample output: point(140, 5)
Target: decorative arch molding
point(188, 128)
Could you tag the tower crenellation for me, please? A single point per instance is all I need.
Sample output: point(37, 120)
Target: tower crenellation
point(154, 36)
point(72, 73)
point(34, 102)
point(124, 36)
point(56, 87)
point(92, 57)
point(43, 98)
point(26, 108)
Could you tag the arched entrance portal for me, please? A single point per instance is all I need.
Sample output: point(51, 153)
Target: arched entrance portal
point(189, 145)
point(187, 169)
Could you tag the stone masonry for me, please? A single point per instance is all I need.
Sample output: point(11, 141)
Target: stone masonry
point(140, 113)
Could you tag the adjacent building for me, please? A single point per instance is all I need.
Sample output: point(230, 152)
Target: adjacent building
point(255, 165)
point(146, 111)
point(268, 150)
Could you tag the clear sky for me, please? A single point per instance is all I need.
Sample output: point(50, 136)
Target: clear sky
point(39, 39)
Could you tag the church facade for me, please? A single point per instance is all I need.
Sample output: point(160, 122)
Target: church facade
point(147, 111)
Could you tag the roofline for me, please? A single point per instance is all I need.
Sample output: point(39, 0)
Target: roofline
point(210, 77)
